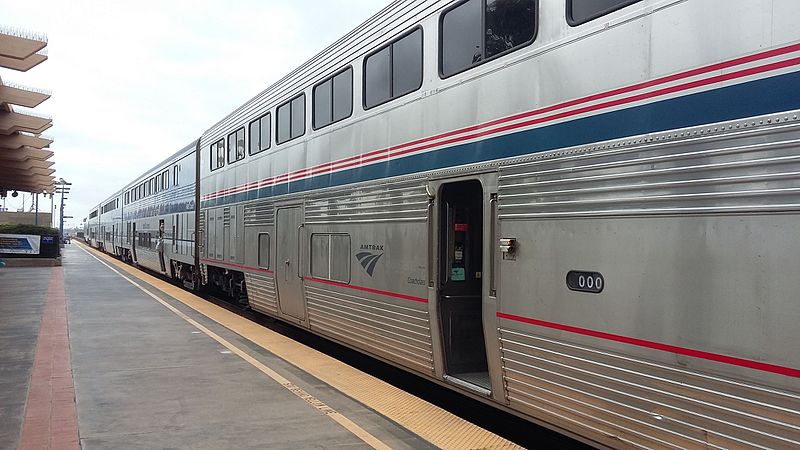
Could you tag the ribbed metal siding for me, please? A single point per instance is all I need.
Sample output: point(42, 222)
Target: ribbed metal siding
point(395, 202)
point(396, 332)
point(259, 214)
point(643, 402)
point(743, 171)
point(261, 293)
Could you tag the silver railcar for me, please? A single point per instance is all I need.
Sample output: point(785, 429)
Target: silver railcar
point(582, 212)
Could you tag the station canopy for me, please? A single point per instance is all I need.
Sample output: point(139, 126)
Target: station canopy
point(24, 153)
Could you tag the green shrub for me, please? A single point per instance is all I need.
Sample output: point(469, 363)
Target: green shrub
point(28, 229)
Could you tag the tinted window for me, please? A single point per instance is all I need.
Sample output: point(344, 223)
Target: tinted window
point(377, 78)
point(509, 24)
point(323, 102)
point(292, 119)
point(580, 11)
point(461, 37)
point(299, 116)
point(260, 138)
point(265, 124)
point(478, 30)
point(254, 137)
point(407, 64)
point(284, 123)
point(236, 146)
point(394, 70)
point(343, 95)
point(333, 99)
point(217, 155)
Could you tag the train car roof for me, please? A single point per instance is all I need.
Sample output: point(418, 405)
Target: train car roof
point(392, 20)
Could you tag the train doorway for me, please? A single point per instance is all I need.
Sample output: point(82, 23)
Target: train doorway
point(287, 271)
point(133, 243)
point(461, 285)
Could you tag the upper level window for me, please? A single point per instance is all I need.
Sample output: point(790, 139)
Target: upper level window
point(333, 99)
point(582, 11)
point(236, 146)
point(476, 31)
point(260, 135)
point(175, 174)
point(291, 117)
point(394, 70)
point(165, 179)
point(217, 154)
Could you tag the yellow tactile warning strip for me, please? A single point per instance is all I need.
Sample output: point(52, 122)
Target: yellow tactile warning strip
point(428, 421)
point(291, 387)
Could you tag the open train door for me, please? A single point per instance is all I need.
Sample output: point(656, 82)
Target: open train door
point(133, 243)
point(288, 274)
point(460, 290)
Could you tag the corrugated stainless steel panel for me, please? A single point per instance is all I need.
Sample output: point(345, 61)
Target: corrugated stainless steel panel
point(675, 173)
point(261, 293)
point(398, 333)
point(642, 401)
point(405, 201)
point(259, 214)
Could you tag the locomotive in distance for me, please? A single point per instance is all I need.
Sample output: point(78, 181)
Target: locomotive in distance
point(582, 212)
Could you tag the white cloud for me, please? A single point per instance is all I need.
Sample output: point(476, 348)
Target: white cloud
point(133, 82)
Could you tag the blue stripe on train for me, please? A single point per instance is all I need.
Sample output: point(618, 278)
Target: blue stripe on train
point(753, 98)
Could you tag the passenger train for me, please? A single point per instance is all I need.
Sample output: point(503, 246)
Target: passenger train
point(584, 212)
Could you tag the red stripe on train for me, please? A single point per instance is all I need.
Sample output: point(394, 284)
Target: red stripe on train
point(359, 159)
point(370, 290)
point(238, 266)
point(765, 367)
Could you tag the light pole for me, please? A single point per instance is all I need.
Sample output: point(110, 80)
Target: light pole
point(62, 189)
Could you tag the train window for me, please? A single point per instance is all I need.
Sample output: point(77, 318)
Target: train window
point(340, 257)
point(407, 64)
point(260, 136)
point(394, 70)
point(582, 11)
point(217, 154)
point(236, 146)
point(376, 85)
point(476, 31)
point(323, 104)
point(320, 256)
point(330, 257)
point(263, 250)
point(333, 99)
point(175, 175)
point(299, 116)
point(291, 119)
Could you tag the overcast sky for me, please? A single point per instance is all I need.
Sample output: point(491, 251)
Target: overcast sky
point(135, 81)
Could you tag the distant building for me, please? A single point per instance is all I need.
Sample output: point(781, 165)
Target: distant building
point(25, 218)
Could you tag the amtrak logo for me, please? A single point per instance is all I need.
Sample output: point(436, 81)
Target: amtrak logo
point(369, 260)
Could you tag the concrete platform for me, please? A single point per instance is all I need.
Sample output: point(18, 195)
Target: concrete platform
point(145, 377)
point(97, 354)
point(23, 294)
